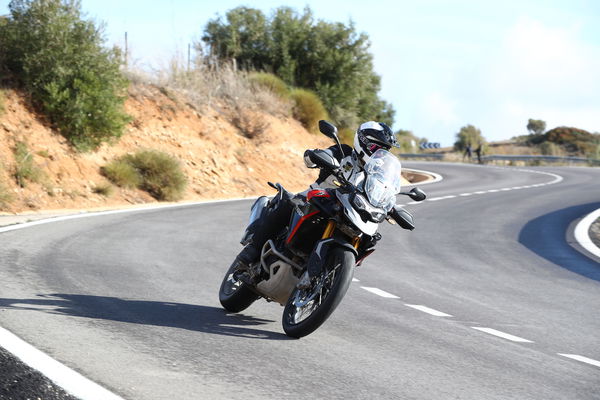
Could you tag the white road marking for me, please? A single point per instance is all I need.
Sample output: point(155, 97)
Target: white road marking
point(480, 192)
point(505, 189)
point(581, 233)
point(71, 381)
point(466, 194)
point(493, 190)
point(380, 292)
point(355, 280)
point(428, 310)
point(582, 359)
point(502, 334)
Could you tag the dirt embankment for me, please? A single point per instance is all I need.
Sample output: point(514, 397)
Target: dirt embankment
point(216, 157)
point(219, 161)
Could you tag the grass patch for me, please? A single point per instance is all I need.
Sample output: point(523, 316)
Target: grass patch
point(153, 171)
point(6, 196)
point(25, 167)
point(2, 102)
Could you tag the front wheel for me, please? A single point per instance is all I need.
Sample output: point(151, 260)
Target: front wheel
point(234, 295)
point(307, 309)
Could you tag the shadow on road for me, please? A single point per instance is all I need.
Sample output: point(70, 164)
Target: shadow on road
point(175, 315)
point(546, 236)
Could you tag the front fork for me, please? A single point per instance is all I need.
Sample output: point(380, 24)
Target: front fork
point(330, 228)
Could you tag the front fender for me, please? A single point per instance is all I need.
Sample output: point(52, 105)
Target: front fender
point(317, 258)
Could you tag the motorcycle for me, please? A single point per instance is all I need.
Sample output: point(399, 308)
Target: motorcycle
point(309, 266)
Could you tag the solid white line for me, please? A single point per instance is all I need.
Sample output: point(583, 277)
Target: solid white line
point(502, 334)
point(428, 310)
point(582, 359)
point(436, 177)
point(85, 214)
point(581, 233)
point(380, 292)
point(71, 381)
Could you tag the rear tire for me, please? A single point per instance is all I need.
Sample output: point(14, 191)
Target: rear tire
point(307, 309)
point(234, 295)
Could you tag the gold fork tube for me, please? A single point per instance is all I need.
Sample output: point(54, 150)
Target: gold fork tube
point(328, 230)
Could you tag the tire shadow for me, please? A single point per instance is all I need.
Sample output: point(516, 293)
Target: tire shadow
point(546, 236)
point(197, 318)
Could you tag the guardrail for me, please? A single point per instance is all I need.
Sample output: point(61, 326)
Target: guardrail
point(494, 157)
point(435, 156)
point(569, 160)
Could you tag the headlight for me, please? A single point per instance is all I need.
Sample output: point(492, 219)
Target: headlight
point(366, 210)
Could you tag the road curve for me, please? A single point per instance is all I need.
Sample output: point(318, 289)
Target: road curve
point(485, 299)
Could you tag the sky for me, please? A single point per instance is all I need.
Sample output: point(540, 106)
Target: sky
point(444, 64)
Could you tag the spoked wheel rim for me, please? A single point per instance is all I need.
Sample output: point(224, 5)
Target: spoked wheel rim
point(307, 301)
point(232, 284)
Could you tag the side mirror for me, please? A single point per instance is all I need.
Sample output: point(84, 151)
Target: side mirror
point(402, 218)
point(324, 159)
point(328, 129)
point(417, 194)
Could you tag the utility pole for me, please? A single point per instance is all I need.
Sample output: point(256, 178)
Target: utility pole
point(126, 50)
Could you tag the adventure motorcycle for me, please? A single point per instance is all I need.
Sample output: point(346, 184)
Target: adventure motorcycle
point(309, 266)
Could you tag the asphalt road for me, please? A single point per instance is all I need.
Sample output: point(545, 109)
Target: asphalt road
point(130, 300)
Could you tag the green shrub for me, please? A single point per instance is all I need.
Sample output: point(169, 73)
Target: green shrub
point(271, 82)
point(121, 173)
point(308, 108)
point(25, 167)
point(60, 60)
point(157, 173)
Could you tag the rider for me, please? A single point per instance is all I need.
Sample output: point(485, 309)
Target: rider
point(370, 137)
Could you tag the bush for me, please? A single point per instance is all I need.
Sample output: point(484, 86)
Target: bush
point(25, 168)
point(121, 173)
point(153, 171)
point(270, 82)
point(308, 108)
point(59, 59)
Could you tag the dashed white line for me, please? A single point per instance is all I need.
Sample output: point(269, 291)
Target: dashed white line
point(69, 380)
point(581, 358)
point(501, 334)
point(380, 292)
point(466, 194)
point(355, 280)
point(480, 192)
point(493, 190)
point(428, 310)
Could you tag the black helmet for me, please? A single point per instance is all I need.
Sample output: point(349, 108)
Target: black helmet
point(372, 136)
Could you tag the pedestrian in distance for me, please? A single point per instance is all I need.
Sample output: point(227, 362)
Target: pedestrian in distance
point(478, 151)
point(468, 153)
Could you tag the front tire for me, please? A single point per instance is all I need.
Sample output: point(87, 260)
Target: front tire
point(234, 295)
point(307, 309)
